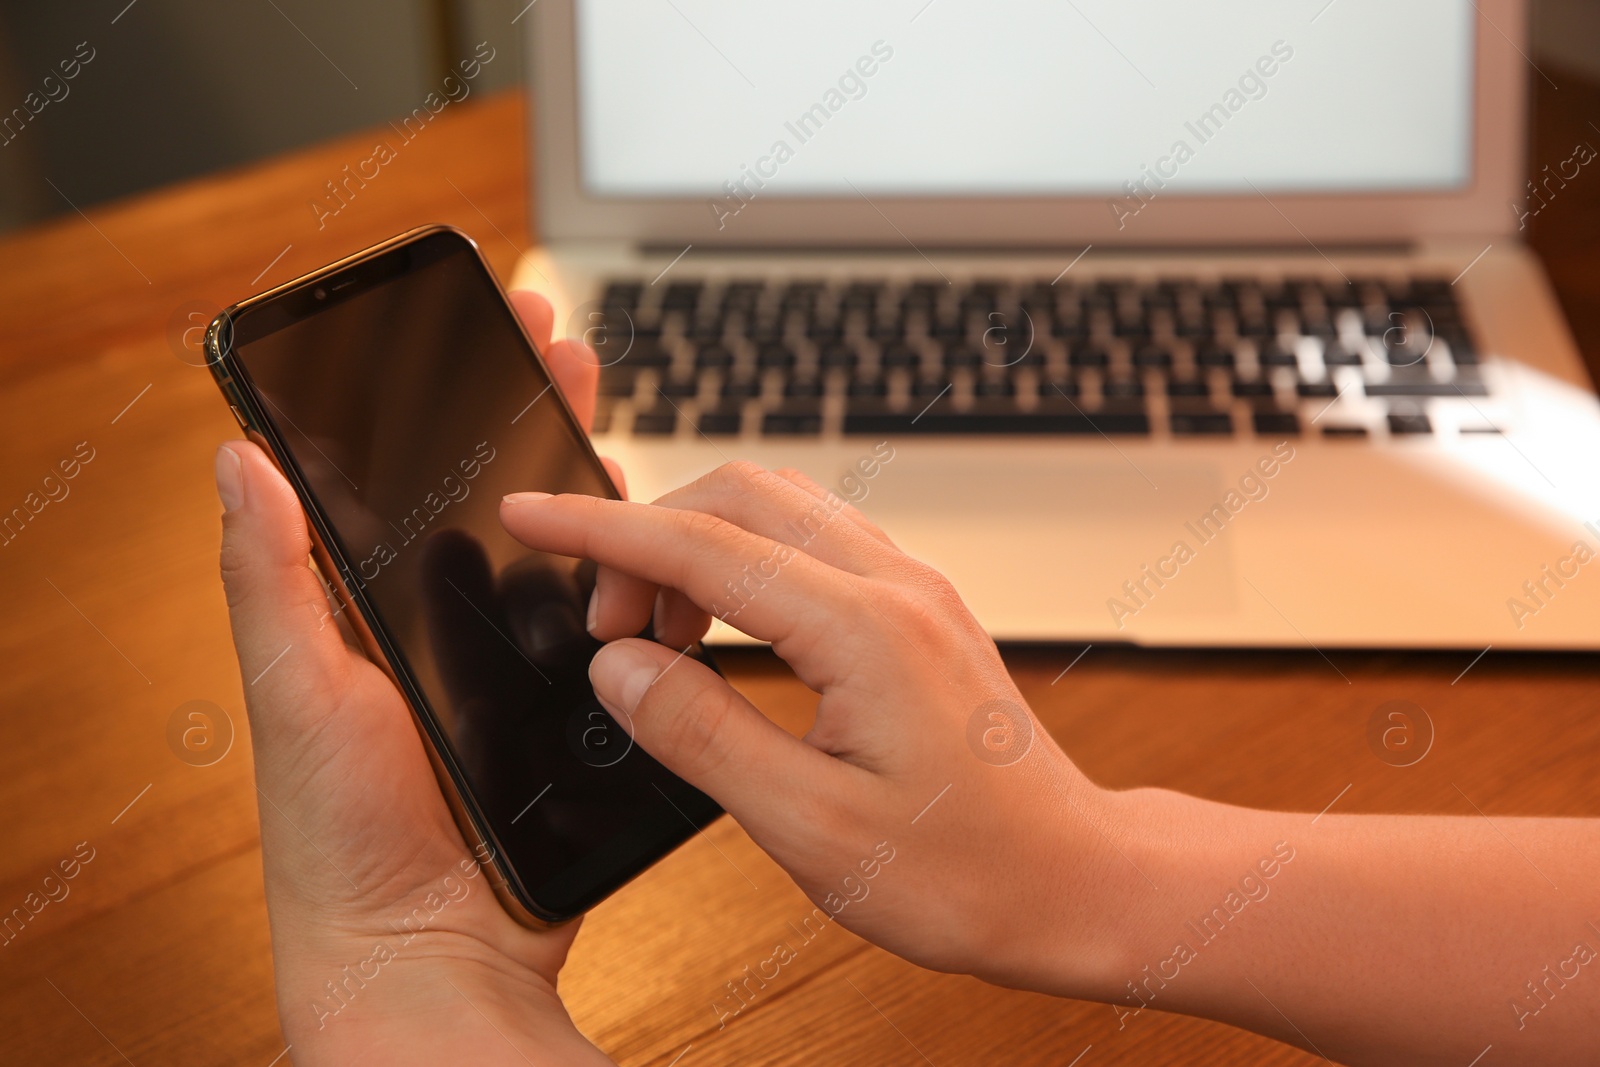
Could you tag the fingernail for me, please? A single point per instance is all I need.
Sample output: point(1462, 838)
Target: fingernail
point(658, 615)
point(620, 675)
point(230, 478)
point(523, 498)
point(594, 609)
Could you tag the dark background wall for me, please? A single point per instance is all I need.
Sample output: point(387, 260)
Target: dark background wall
point(180, 88)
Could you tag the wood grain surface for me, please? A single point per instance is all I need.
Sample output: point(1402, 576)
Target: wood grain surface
point(114, 617)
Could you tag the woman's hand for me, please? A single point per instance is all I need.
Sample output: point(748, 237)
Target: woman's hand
point(926, 809)
point(388, 944)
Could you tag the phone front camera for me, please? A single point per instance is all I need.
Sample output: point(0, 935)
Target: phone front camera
point(320, 293)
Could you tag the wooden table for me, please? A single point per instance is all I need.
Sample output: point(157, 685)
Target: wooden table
point(114, 617)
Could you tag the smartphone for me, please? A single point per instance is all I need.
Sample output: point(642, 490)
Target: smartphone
point(402, 398)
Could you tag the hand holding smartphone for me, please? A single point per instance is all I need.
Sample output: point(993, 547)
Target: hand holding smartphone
point(401, 397)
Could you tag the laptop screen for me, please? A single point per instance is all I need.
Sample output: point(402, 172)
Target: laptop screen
point(719, 98)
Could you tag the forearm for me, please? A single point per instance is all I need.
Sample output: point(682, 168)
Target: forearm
point(1366, 938)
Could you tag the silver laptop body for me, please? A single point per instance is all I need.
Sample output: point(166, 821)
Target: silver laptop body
point(1206, 330)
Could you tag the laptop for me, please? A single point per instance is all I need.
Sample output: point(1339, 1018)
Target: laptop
point(1159, 324)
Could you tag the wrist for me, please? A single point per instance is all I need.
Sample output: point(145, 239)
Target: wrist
point(1197, 867)
point(437, 998)
point(1108, 871)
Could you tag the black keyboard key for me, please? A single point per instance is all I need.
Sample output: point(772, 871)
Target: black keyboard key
point(1323, 388)
point(1249, 388)
point(1192, 423)
point(713, 357)
point(638, 324)
point(741, 297)
point(1339, 354)
point(1012, 354)
point(861, 294)
point(1214, 356)
point(1282, 301)
point(995, 418)
point(871, 415)
point(741, 388)
point(1089, 356)
point(838, 356)
point(1188, 387)
point(803, 388)
point(1275, 422)
point(622, 295)
point(1064, 417)
point(1428, 387)
point(1442, 320)
point(659, 420)
point(824, 333)
point(644, 353)
point(617, 382)
point(888, 332)
point(801, 297)
point(901, 356)
point(616, 327)
point(766, 331)
point(867, 388)
point(1409, 423)
point(1339, 295)
point(682, 296)
point(1152, 356)
point(1377, 320)
point(1057, 388)
point(926, 389)
point(1274, 354)
point(961, 357)
point(994, 388)
point(792, 420)
point(1114, 406)
point(1337, 431)
point(1122, 388)
point(705, 333)
point(1409, 354)
point(1461, 348)
point(983, 295)
point(779, 356)
point(679, 388)
point(722, 420)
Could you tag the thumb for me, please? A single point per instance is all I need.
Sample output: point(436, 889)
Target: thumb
point(695, 724)
point(291, 654)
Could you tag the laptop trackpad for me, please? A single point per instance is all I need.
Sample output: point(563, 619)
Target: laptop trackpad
point(1042, 540)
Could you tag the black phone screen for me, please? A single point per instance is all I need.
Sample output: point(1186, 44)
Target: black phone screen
point(408, 400)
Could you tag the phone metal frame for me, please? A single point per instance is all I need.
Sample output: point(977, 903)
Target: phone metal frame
point(358, 610)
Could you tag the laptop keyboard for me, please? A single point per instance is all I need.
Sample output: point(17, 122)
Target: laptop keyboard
point(1113, 357)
